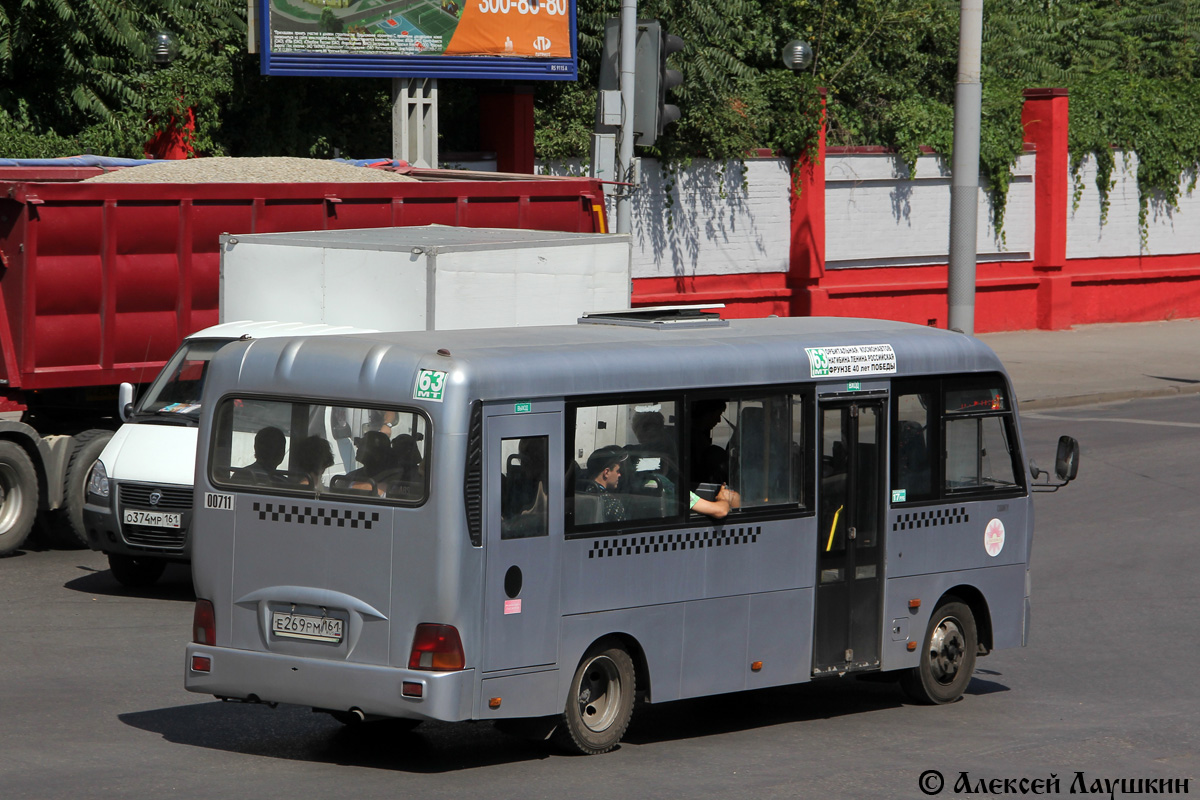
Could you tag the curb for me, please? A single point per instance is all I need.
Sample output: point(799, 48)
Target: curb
point(1036, 403)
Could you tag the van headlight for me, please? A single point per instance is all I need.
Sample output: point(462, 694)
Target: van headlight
point(97, 483)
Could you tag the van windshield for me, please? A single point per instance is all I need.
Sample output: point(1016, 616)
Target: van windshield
point(176, 391)
point(316, 449)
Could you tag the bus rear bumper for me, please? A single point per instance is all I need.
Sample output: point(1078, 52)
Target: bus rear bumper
point(332, 685)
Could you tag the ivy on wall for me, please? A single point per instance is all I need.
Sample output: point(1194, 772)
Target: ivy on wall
point(75, 77)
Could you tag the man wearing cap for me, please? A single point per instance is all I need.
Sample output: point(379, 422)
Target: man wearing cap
point(603, 475)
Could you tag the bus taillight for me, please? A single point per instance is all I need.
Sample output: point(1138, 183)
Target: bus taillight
point(204, 623)
point(436, 647)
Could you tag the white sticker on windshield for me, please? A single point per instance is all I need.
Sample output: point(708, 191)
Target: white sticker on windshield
point(855, 359)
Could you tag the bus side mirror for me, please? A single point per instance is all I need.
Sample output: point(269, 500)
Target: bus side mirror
point(125, 401)
point(1066, 462)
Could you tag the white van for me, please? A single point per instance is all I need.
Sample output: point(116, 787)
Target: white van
point(139, 492)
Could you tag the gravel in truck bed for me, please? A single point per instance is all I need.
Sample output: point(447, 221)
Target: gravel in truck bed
point(248, 170)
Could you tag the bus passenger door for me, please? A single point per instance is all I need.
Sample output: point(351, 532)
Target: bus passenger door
point(523, 485)
point(847, 629)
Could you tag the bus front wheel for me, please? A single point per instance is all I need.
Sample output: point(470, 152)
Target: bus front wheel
point(600, 701)
point(948, 657)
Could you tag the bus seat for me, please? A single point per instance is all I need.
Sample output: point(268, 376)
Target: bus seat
point(588, 510)
point(344, 484)
point(643, 506)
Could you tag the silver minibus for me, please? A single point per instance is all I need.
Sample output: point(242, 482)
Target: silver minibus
point(550, 523)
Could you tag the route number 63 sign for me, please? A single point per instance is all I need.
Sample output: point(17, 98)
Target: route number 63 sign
point(430, 385)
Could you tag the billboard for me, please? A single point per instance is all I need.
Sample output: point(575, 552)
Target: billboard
point(488, 39)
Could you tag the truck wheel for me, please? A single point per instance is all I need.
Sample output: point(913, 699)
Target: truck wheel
point(66, 525)
point(135, 572)
point(18, 496)
point(948, 658)
point(600, 701)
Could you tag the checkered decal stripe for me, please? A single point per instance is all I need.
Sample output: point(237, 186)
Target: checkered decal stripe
point(329, 517)
point(930, 519)
point(672, 542)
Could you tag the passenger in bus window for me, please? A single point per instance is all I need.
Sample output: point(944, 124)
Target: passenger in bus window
point(374, 452)
point(270, 444)
point(603, 476)
point(386, 422)
point(312, 456)
point(710, 463)
point(718, 508)
point(653, 462)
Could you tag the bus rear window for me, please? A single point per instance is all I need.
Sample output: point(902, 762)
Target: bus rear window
point(314, 449)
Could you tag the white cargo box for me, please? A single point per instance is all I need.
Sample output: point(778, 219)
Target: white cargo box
point(423, 278)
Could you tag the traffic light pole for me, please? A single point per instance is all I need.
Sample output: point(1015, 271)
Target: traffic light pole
point(964, 181)
point(627, 60)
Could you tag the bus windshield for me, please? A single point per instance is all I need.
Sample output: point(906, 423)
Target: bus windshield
point(315, 449)
point(176, 391)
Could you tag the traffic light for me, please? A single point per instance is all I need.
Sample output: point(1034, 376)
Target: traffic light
point(667, 78)
point(651, 111)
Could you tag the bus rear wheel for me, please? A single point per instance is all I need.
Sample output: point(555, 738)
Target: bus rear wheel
point(600, 701)
point(948, 657)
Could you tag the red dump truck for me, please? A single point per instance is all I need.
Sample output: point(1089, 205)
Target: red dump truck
point(100, 282)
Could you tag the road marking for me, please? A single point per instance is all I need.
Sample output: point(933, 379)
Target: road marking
point(1036, 415)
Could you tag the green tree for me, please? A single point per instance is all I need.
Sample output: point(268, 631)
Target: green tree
point(329, 21)
point(75, 75)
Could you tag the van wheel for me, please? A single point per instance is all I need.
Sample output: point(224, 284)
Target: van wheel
point(600, 701)
point(136, 572)
point(18, 496)
point(947, 659)
point(66, 524)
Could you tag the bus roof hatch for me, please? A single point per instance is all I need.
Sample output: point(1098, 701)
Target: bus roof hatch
point(660, 317)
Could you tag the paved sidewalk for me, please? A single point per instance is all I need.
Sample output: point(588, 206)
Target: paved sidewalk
point(1101, 363)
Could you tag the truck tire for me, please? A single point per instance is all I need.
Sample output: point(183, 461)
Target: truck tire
point(66, 524)
point(18, 496)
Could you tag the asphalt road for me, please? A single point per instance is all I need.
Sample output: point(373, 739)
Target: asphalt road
point(92, 702)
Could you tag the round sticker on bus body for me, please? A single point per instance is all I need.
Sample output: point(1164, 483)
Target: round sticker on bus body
point(993, 538)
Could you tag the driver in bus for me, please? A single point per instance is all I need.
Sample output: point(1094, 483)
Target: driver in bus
point(719, 507)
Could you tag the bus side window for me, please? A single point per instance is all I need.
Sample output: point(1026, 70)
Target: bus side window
point(766, 450)
point(626, 465)
point(979, 449)
point(912, 468)
point(524, 506)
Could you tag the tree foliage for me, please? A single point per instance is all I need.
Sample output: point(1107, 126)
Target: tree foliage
point(75, 76)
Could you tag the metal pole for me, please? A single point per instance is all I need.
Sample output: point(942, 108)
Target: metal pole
point(964, 184)
point(626, 61)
